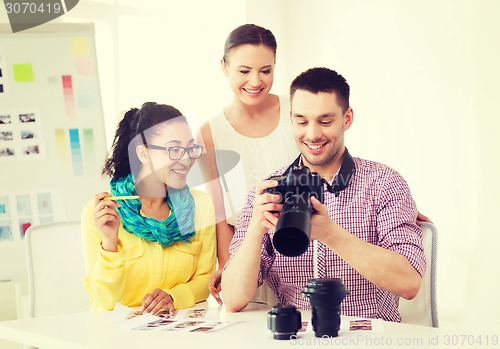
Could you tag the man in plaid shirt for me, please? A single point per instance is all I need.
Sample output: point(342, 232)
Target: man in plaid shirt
point(365, 233)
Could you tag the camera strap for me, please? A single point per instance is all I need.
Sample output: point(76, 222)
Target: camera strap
point(341, 180)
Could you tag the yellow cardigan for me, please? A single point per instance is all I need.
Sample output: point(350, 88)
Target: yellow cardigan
point(139, 266)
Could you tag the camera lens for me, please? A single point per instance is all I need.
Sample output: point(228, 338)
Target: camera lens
point(284, 321)
point(291, 237)
point(325, 296)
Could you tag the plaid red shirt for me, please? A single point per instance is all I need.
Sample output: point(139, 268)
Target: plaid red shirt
point(378, 208)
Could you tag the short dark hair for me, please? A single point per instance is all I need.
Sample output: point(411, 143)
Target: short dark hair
point(317, 80)
point(249, 34)
point(135, 122)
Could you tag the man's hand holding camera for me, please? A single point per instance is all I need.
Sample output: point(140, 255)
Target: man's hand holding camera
point(266, 208)
point(321, 224)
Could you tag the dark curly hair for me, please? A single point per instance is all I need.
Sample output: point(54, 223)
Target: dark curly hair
point(135, 122)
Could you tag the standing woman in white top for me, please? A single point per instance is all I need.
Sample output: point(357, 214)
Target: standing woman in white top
point(256, 125)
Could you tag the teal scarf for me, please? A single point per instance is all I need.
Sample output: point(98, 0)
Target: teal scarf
point(179, 226)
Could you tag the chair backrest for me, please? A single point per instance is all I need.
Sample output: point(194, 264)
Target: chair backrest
point(422, 310)
point(56, 269)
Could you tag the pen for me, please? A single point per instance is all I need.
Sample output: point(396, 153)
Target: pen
point(212, 287)
point(129, 197)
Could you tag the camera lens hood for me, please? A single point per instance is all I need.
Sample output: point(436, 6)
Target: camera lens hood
point(325, 286)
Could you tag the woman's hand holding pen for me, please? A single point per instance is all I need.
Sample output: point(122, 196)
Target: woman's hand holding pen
point(214, 285)
point(107, 221)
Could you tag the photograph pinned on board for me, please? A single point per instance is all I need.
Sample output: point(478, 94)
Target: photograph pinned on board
point(23, 203)
point(5, 119)
point(44, 203)
point(6, 136)
point(4, 207)
point(5, 231)
point(28, 117)
point(7, 151)
point(24, 224)
point(28, 134)
point(31, 150)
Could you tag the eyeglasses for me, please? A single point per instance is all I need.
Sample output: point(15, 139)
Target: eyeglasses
point(177, 152)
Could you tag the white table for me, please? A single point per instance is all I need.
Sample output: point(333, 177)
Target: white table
point(95, 330)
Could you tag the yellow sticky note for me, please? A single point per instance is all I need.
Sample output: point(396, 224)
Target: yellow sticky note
point(23, 72)
point(79, 47)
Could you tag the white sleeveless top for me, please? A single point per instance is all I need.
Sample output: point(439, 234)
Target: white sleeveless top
point(259, 157)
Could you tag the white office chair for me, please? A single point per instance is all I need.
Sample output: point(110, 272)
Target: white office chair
point(422, 310)
point(55, 269)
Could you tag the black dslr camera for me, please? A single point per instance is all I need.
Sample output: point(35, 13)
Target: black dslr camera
point(291, 237)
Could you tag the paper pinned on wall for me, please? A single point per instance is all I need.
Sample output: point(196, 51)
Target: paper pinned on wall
point(79, 47)
point(23, 72)
point(69, 97)
point(89, 150)
point(62, 150)
point(23, 205)
point(25, 209)
point(21, 135)
point(76, 152)
point(86, 99)
point(4, 207)
point(6, 231)
point(44, 202)
point(85, 67)
point(24, 212)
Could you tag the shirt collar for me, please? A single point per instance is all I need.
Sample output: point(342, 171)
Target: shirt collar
point(342, 177)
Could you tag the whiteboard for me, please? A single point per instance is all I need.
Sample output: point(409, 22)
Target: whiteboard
point(52, 138)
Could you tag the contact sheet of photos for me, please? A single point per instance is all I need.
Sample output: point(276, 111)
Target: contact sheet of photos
point(21, 135)
point(193, 320)
point(201, 320)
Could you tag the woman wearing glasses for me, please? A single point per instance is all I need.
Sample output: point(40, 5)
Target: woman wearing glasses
point(151, 241)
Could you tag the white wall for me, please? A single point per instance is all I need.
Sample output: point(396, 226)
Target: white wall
point(422, 72)
point(483, 282)
point(423, 76)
